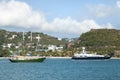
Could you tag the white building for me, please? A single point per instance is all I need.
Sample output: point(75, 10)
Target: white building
point(13, 36)
point(54, 48)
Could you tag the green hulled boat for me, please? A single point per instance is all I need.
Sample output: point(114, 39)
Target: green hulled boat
point(27, 59)
point(16, 58)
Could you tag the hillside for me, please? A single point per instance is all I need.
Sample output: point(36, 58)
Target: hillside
point(15, 37)
point(102, 41)
point(12, 41)
point(101, 37)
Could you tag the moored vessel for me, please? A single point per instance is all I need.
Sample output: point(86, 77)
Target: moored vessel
point(28, 57)
point(85, 56)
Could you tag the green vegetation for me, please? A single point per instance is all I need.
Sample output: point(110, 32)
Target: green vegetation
point(102, 41)
point(101, 37)
point(16, 39)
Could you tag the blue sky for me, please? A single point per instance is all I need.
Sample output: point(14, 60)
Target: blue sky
point(59, 18)
point(77, 9)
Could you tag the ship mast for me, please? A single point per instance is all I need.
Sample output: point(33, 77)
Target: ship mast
point(23, 40)
point(31, 42)
point(31, 36)
point(38, 38)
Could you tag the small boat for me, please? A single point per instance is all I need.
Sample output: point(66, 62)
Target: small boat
point(85, 56)
point(27, 59)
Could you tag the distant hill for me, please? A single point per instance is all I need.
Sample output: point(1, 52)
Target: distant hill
point(100, 37)
point(102, 41)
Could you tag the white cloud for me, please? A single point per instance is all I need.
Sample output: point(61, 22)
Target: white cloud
point(69, 25)
point(102, 10)
point(19, 14)
point(118, 3)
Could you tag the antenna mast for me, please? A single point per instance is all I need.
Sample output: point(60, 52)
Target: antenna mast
point(23, 39)
point(38, 38)
point(31, 36)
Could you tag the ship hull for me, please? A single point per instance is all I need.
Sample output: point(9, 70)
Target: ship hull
point(29, 60)
point(90, 58)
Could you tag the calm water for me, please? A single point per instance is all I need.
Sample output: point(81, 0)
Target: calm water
point(61, 69)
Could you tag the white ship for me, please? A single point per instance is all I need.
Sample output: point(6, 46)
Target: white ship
point(84, 56)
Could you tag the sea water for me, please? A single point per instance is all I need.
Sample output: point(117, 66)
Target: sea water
point(61, 69)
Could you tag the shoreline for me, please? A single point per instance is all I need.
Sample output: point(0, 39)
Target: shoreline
point(4, 57)
point(115, 57)
point(58, 57)
point(49, 57)
point(46, 57)
point(71, 57)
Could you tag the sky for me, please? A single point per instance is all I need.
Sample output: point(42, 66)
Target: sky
point(59, 18)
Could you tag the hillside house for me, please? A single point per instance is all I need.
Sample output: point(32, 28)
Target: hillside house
point(54, 48)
